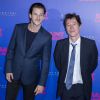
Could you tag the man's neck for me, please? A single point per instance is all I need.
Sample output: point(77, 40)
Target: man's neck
point(34, 28)
point(74, 39)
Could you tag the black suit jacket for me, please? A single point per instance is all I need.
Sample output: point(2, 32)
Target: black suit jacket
point(88, 63)
point(30, 67)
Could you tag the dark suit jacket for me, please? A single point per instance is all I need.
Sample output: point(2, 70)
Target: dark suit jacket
point(32, 66)
point(88, 63)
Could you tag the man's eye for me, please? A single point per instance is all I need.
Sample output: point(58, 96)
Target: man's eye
point(41, 15)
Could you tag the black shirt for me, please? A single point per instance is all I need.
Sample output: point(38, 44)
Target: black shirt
point(30, 36)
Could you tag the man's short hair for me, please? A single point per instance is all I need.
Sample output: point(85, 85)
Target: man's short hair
point(37, 5)
point(70, 16)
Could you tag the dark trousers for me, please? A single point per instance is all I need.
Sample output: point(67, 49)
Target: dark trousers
point(75, 93)
point(13, 87)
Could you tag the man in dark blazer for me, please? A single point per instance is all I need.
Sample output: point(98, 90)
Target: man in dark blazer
point(85, 62)
point(28, 56)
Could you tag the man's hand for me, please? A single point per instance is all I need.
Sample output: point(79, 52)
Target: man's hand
point(9, 77)
point(39, 89)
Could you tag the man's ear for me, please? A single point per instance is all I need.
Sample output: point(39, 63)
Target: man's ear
point(30, 16)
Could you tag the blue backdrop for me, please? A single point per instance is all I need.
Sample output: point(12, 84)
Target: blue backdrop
point(16, 11)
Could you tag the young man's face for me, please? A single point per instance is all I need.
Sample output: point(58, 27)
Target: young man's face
point(37, 16)
point(73, 28)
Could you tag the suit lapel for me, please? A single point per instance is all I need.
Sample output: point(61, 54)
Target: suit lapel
point(36, 42)
point(82, 54)
point(66, 53)
point(23, 32)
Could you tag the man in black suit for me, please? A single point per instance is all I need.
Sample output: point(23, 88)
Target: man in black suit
point(75, 58)
point(28, 56)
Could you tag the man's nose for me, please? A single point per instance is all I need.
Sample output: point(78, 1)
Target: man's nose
point(38, 17)
point(71, 27)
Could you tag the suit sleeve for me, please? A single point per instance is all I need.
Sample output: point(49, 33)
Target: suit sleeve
point(57, 56)
point(94, 57)
point(45, 62)
point(10, 52)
